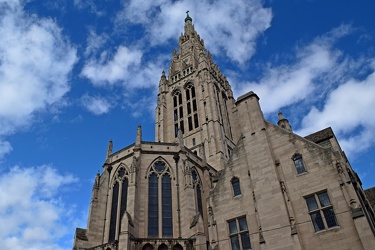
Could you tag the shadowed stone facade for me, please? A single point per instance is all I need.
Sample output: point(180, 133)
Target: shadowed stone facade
point(219, 176)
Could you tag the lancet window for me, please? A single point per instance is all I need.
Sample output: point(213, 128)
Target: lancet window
point(178, 113)
point(191, 107)
point(160, 200)
point(198, 191)
point(119, 201)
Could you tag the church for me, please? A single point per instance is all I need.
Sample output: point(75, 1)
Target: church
point(220, 176)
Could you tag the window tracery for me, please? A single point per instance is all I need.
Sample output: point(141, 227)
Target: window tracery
point(160, 200)
point(119, 201)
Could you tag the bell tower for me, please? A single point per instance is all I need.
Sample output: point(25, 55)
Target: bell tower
point(197, 99)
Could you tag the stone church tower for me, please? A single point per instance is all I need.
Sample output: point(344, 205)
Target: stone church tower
point(219, 176)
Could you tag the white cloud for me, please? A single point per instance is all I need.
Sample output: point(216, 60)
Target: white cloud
point(94, 42)
point(5, 148)
point(35, 64)
point(112, 69)
point(96, 105)
point(321, 82)
point(125, 68)
point(349, 109)
point(32, 215)
point(288, 84)
point(227, 27)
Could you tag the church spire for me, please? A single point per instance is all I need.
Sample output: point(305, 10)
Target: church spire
point(188, 23)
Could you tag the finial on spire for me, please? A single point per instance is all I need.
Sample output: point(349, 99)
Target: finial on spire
point(188, 18)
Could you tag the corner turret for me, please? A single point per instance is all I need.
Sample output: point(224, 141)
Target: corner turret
point(284, 123)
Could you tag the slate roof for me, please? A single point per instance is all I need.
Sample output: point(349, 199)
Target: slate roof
point(321, 135)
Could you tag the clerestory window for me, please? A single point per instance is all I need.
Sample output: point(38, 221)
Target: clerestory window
point(321, 211)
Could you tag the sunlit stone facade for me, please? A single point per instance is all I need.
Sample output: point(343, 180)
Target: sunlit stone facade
point(219, 176)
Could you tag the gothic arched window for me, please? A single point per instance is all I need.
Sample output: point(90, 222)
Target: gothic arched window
point(119, 201)
point(198, 192)
point(160, 199)
point(191, 106)
point(178, 113)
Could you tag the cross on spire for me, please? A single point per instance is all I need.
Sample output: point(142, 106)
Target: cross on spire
point(187, 16)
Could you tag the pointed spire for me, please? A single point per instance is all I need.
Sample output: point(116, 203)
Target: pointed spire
point(138, 138)
point(188, 23)
point(162, 82)
point(283, 122)
point(109, 150)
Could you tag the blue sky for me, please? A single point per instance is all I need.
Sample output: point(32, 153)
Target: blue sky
point(75, 74)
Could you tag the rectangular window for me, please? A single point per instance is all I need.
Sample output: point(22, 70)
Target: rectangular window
point(189, 108)
point(298, 163)
point(239, 234)
point(190, 122)
point(196, 124)
point(321, 211)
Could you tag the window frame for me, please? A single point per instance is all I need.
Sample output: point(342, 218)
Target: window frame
point(164, 217)
point(237, 236)
point(299, 164)
point(320, 222)
point(236, 186)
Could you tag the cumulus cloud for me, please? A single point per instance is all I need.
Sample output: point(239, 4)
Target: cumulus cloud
point(32, 214)
point(231, 29)
point(96, 105)
point(35, 63)
point(111, 69)
point(349, 110)
point(291, 83)
point(322, 86)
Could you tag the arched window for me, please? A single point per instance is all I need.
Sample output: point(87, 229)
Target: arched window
point(198, 191)
point(119, 201)
point(178, 113)
point(298, 163)
point(177, 247)
point(160, 198)
point(114, 205)
point(191, 106)
point(236, 186)
point(163, 247)
point(148, 246)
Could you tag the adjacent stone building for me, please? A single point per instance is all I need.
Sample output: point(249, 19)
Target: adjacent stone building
point(219, 176)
